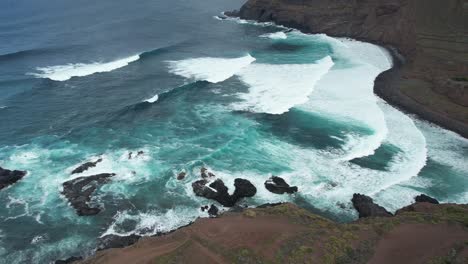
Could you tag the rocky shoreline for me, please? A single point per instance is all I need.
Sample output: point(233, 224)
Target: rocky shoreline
point(284, 233)
point(431, 81)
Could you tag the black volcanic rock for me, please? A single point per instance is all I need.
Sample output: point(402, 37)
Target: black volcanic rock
point(218, 191)
point(213, 211)
point(425, 199)
point(233, 13)
point(8, 177)
point(68, 260)
point(78, 191)
point(86, 166)
point(367, 208)
point(244, 188)
point(279, 186)
point(114, 241)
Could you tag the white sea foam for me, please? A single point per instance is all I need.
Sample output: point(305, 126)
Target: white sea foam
point(209, 69)
point(152, 99)
point(248, 22)
point(275, 88)
point(153, 222)
point(346, 93)
point(275, 35)
point(65, 72)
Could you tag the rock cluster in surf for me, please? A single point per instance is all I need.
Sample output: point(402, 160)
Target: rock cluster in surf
point(279, 186)
point(217, 191)
point(9, 177)
point(78, 191)
point(86, 166)
point(367, 208)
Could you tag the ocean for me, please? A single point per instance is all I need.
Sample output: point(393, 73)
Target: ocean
point(86, 79)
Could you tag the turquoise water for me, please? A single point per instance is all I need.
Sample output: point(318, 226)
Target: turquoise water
point(231, 97)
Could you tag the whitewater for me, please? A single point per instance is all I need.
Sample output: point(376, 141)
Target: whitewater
point(267, 100)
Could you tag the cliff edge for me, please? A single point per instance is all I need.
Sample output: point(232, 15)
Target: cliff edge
point(432, 36)
point(420, 233)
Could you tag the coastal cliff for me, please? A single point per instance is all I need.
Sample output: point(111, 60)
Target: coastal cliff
point(429, 39)
point(419, 233)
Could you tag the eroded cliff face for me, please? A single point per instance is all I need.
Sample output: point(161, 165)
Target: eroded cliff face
point(432, 35)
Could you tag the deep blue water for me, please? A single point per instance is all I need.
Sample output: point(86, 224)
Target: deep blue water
point(75, 82)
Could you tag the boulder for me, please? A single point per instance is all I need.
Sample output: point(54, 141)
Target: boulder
point(200, 189)
point(213, 211)
point(279, 186)
point(218, 191)
point(367, 208)
point(422, 198)
point(86, 166)
point(8, 177)
point(114, 241)
point(78, 192)
point(244, 188)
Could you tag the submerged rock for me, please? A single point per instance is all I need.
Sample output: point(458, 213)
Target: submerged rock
point(367, 208)
point(78, 191)
point(181, 176)
point(422, 198)
point(86, 166)
point(114, 241)
point(219, 192)
point(8, 177)
point(279, 186)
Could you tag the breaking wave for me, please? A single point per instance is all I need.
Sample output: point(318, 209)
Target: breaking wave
point(276, 35)
point(66, 72)
point(213, 70)
point(275, 88)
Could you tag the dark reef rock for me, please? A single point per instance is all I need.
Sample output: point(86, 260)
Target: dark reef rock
point(68, 260)
point(213, 211)
point(78, 191)
point(8, 177)
point(367, 208)
point(425, 199)
point(244, 188)
point(86, 166)
point(279, 186)
point(219, 192)
point(181, 176)
point(233, 13)
point(114, 241)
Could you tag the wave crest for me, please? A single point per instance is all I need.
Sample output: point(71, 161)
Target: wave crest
point(274, 89)
point(213, 70)
point(66, 72)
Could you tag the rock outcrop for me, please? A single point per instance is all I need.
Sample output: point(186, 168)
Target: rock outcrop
point(432, 35)
point(114, 241)
point(219, 192)
point(78, 192)
point(85, 166)
point(68, 260)
point(213, 211)
point(8, 177)
point(367, 208)
point(422, 198)
point(279, 186)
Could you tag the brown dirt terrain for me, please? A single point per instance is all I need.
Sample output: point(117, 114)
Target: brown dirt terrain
point(421, 233)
